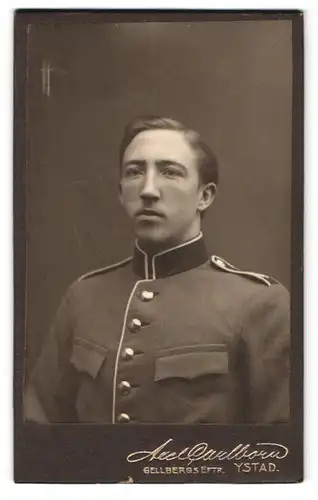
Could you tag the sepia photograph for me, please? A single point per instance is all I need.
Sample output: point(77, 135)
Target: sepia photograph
point(158, 240)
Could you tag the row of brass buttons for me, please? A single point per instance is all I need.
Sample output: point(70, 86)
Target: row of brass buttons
point(128, 353)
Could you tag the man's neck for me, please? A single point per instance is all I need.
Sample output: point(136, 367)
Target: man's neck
point(173, 260)
point(152, 248)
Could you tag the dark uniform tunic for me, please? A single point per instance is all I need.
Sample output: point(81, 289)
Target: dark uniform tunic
point(174, 338)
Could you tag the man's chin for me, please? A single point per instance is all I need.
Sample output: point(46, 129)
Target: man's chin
point(151, 236)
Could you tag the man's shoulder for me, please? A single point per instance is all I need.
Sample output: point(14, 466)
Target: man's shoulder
point(100, 281)
point(104, 271)
point(248, 288)
point(102, 275)
point(234, 274)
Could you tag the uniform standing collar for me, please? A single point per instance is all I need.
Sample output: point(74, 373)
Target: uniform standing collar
point(175, 260)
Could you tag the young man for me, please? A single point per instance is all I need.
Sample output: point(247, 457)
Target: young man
point(171, 335)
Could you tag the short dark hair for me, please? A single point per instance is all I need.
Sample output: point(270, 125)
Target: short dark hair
point(207, 162)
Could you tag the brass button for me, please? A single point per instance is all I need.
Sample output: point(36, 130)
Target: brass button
point(128, 353)
point(124, 387)
point(123, 417)
point(146, 295)
point(134, 325)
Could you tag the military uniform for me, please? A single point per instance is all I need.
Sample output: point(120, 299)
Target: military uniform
point(179, 337)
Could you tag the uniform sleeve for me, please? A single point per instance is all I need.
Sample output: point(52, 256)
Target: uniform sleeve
point(50, 392)
point(266, 334)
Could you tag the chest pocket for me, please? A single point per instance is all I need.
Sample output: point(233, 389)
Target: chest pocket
point(88, 357)
point(190, 362)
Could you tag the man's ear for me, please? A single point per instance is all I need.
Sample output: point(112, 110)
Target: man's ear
point(208, 192)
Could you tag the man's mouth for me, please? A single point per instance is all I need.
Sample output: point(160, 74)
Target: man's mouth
point(148, 213)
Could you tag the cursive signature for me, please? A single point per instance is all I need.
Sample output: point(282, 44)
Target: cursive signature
point(202, 451)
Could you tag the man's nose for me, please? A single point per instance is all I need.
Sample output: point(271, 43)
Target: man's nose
point(150, 187)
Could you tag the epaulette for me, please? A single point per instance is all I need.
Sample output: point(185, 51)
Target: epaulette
point(229, 268)
point(103, 270)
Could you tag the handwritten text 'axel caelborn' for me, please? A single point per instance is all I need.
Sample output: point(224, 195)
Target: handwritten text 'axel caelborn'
point(201, 451)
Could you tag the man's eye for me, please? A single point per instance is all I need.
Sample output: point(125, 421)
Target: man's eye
point(171, 172)
point(133, 171)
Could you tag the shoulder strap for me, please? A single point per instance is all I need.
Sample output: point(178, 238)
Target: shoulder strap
point(103, 270)
point(222, 264)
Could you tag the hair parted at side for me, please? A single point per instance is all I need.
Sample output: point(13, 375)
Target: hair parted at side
point(207, 162)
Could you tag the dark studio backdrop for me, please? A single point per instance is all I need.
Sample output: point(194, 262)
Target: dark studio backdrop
point(230, 81)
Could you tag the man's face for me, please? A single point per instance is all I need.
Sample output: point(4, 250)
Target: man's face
point(160, 187)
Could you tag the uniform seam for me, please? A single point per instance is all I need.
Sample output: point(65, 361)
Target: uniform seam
point(249, 305)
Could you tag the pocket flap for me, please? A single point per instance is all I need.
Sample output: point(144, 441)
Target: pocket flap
point(191, 365)
point(88, 357)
